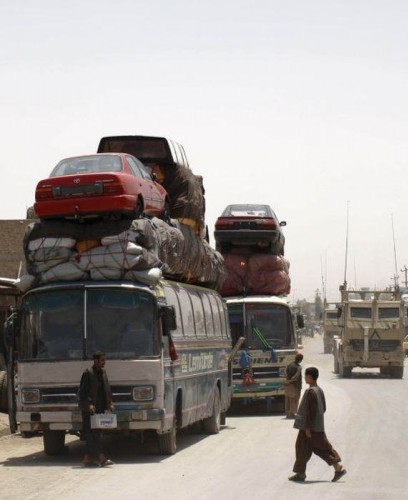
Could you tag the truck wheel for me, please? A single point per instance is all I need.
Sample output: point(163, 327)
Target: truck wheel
point(168, 441)
point(344, 371)
point(336, 365)
point(397, 371)
point(212, 425)
point(54, 442)
point(3, 392)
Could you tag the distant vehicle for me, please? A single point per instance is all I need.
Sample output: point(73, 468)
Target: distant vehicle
point(371, 332)
point(100, 184)
point(248, 224)
point(267, 325)
point(149, 150)
point(330, 326)
point(405, 345)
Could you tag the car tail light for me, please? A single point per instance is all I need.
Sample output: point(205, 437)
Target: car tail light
point(224, 224)
point(112, 187)
point(43, 192)
point(270, 224)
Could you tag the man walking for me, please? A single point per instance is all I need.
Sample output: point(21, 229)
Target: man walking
point(94, 397)
point(311, 437)
point(293, 386)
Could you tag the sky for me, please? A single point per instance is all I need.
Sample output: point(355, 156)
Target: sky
point(299, 105)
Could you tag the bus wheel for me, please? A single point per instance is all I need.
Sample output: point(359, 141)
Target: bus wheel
point(168, 441)
point(3, 392)
point(212, 425)
point(54, 442)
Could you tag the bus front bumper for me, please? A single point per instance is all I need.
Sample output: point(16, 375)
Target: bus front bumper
point(72, 420)
point(263, 390)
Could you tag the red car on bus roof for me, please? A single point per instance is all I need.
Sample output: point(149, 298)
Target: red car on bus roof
point(100, 185)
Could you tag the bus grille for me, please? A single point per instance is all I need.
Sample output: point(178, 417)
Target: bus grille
point(69, 395)
point(258, 372)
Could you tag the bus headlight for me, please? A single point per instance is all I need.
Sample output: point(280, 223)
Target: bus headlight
point(143, 393)
point(30, 396)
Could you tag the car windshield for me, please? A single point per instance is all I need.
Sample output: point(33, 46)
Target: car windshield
point(87, 164)
point(247, 211)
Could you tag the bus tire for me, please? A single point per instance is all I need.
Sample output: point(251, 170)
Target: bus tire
point(54, 443)
point(212, 425)
point(3, 392)
point(397, 371)
point(168, 441)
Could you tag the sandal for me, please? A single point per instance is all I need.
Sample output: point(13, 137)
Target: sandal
point(338, 474)
point(297, 478)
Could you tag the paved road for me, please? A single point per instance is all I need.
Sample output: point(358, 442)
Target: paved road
point(252, 457)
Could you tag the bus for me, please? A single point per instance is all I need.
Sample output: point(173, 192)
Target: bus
point(266, 323)
point(167, 348)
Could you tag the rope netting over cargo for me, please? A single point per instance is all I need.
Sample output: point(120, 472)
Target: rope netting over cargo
point(255, 274)
point(138, 250)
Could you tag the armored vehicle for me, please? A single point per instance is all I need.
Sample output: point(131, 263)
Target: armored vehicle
point(371, 332)
point(330, 326)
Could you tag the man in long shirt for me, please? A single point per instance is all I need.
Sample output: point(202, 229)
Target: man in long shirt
point(293, 386)
point(94, 397)
point(311, 436)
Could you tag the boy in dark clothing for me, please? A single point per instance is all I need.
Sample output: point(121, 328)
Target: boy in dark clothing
point(94, 397)
point(311, 437)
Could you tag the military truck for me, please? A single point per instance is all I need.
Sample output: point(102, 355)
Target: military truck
point(371, 332)
point(330, 326)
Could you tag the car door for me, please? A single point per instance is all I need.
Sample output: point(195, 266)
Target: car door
point(156, 192)
point(143, 185)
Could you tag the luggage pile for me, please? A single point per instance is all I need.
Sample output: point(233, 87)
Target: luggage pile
point(253, 257)
point(143, 249)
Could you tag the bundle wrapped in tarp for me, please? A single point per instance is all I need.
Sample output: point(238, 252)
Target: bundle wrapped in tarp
point(142, 249)
point(255, 274)
point(186, 196)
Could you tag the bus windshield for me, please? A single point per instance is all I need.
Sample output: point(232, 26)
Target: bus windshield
point(267, 325)
point(71, 324)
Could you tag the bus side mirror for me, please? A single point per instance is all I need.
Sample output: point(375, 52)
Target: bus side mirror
point(339, 312)
point(300, 321)
point(168, 315)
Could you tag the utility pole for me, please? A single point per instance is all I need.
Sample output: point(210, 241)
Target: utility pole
point(405, 271)
point(395, 279)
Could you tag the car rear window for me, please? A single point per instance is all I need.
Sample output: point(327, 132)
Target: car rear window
point(87, 164)
point(144, 149)
point(247, 211)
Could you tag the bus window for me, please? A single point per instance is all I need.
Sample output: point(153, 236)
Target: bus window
point(198, 314)
point(208, 315)
point(268, 326)
point(236, 321)
point(172, 300)
point(186, 312)
point(218, 319)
